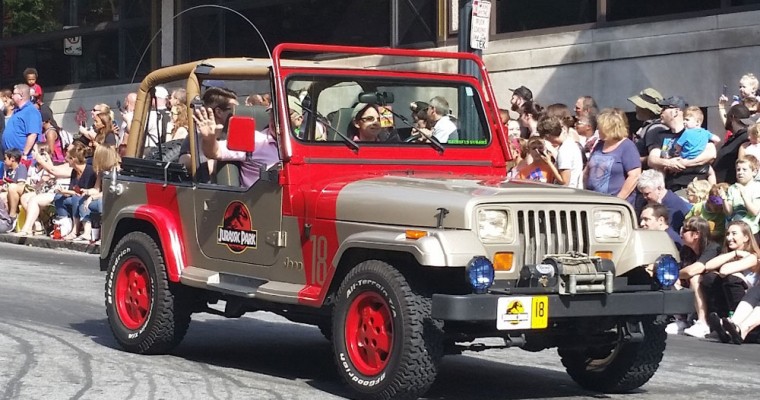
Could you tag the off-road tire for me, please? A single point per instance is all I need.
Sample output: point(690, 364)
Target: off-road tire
point(628, 366)
point(152, 328)
point(410, 366)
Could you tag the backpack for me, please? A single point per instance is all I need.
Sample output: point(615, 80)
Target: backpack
point(66, 138)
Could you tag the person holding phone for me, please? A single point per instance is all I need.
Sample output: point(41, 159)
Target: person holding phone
point(541, 168)
point(68, 201)
point(748, 85)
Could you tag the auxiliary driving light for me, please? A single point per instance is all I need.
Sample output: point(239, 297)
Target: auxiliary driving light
point(666, 270)
point(480, 274)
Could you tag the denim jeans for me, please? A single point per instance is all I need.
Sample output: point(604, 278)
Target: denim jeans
point(67, 206)
point(92, 212)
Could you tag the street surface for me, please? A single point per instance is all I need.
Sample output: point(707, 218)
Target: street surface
point(55, 344)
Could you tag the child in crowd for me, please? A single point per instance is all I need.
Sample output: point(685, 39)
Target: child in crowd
point(14, 182)
point(741, 202)
point(752, 147)
point(693, 140)
point(35, 90)
point(542, 168)
point(517, 147)
point(708, 205)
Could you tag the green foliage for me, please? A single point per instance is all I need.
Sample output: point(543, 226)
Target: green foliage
point(31, 16)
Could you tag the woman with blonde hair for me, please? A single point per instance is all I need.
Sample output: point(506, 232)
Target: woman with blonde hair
point(105, 158)
point(179, 122)
point(726, 277)
point(614, 165)
point(104, 127)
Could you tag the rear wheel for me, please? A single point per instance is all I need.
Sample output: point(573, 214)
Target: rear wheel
point(386, 345)
point(621, 367)
point(146, 313)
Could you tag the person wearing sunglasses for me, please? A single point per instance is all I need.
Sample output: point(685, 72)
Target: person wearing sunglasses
point(24, 126)
point(366, 125)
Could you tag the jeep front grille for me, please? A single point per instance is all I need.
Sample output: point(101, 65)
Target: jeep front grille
point(545, 232)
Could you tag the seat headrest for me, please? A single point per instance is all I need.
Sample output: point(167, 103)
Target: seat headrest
point(259, 114)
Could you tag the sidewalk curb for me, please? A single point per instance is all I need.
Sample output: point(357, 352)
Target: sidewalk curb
point(45, 242)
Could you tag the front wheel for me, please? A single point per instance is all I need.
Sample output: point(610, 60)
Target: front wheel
point(621, 367)
point(145, 313)
point(386, 345)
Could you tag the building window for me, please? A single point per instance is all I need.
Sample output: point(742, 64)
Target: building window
point(624, 9)
point(417, 23)
point(523, 15)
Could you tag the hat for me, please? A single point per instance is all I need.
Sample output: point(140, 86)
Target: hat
point(752, 120)
point(161, 92)
point(294, 104)
point(673, 102)
point(647, 99)
point(523, 92)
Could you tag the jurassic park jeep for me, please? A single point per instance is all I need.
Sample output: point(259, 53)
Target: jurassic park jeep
point(401, 251)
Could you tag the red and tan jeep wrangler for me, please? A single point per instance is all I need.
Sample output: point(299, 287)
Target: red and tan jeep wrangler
point(399, 250)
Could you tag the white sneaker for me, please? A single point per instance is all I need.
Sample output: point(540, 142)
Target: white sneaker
point(676, 328)
point(698, 330)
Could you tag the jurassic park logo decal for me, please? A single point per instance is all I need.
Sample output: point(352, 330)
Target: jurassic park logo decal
point(236, 231)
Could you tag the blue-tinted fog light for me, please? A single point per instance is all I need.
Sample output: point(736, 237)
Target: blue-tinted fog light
point(666, 270)
point(480, 274)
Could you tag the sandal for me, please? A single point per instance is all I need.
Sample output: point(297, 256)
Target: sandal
point(715, 325)
point(733, 330)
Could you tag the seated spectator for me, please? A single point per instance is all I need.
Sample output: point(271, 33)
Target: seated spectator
point(711, 209)
point(696, 251)
point(569, 155)
point(746, 317)
point(104, 159)
point(651, 186)
point(39, 181)
point(14, 181)
point(742, 200)
point(654, 217)
point(726, 278)
point(541, 168)
point(613, 167)
point(67, 201)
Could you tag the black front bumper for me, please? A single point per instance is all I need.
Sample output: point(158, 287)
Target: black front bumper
point(483, 307)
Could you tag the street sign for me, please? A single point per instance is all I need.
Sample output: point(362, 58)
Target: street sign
point(480, 24)
point(72, 46)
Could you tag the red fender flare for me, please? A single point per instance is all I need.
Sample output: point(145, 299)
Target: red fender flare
point(169, 231)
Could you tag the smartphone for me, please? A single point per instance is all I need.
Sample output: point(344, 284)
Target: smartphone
point(196, 102)
point(725, 90)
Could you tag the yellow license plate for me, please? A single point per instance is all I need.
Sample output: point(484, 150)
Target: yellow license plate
point(522, 312)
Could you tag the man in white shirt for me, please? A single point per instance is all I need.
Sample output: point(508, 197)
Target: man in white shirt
point(569, 157)
point(439, 119)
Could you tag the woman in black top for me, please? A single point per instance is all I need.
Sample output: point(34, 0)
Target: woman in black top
point(67, 201)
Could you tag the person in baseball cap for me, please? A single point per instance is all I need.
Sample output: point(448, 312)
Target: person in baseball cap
point(673, 102)
point(520, 96)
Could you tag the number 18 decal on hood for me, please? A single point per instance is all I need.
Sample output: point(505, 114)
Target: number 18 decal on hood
point(236, 231)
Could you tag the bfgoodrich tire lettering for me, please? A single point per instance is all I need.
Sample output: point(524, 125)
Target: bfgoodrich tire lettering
point(386, 345)
point(626, 367)
point(145, 313)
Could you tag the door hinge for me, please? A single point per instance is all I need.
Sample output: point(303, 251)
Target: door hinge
point(277, 238)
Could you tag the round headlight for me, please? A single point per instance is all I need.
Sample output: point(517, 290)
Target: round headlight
point(666, 270)
point(480, 274)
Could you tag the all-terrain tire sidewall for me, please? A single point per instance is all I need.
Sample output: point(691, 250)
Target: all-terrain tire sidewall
point(416, 347)
point(157, 333)
point(634, 365)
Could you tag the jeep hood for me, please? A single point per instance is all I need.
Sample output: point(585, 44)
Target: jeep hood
point(415, 201)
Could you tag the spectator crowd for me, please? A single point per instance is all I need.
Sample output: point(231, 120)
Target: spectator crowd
point(700, 187)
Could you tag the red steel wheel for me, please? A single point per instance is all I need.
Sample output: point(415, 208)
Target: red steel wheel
point(369, 333)
point(133, 294)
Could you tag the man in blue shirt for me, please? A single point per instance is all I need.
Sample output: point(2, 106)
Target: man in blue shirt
point(23, 127)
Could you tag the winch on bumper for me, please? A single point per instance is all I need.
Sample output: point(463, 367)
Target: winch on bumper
point(568, 285)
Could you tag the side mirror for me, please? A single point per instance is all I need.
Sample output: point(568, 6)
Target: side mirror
point(241, 134)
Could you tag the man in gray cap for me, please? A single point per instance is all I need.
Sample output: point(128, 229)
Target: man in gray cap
point(519, 97)
point(648, 112)
point(678, 172)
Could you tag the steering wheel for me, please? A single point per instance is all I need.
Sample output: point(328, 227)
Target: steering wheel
point(413, 138)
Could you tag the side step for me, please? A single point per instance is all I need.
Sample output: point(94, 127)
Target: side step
point(218, 281)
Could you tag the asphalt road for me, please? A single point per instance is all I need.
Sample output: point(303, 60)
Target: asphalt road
point(55, 344)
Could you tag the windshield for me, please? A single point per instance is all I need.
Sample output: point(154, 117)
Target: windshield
point(372, 110)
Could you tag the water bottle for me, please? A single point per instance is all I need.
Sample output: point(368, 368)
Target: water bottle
point(57, 232)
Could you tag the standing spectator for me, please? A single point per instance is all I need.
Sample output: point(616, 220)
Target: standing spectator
point(520, 96)
point(23, 127)
point(179, 122)
point(710, 207)
point(158, 117)
point(614, 166)
point(569, 156)
point(6, 110)
point(742, 200)
point(178, 96)
point(654, 217)
point(530, 112)
point(726, 278)
point(568, 121)
point(651, 185)
point(725, 161)
point(588, 134)
point(35, 90)
point(648, 112)
point(679, 172)
point(52, 135)
point(127, 113)
point(748, 85)
point(585, 105)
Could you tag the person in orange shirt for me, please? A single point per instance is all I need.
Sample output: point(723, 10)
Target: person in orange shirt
point(542, 168)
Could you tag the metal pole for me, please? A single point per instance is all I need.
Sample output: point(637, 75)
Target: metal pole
point(465, 17)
